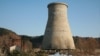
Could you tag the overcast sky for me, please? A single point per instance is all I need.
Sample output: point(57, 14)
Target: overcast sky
point(29, 17)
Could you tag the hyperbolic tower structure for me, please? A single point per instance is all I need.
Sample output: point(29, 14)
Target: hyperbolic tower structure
point(57, 34)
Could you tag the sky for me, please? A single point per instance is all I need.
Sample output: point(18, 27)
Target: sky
point(29, 17)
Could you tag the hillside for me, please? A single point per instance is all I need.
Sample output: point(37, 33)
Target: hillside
point(80, 42)
point(9, 38)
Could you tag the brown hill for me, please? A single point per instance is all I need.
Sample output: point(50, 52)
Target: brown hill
point(9, 38)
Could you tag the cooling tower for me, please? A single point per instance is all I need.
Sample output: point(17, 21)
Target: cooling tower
point(57, 34)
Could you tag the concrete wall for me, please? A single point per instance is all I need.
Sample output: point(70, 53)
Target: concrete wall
point(57, 33)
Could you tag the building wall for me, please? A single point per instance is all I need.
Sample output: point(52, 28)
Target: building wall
point(57, 33)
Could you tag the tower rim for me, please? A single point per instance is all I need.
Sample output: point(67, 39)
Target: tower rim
point(55, 3)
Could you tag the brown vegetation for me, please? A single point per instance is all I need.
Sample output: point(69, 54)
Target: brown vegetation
point(9, 38)
point(84, 45)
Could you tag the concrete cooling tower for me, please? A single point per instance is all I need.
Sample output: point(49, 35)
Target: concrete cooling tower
point(57, 34)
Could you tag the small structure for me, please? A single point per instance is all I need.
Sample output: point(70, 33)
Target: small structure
point(12, 48)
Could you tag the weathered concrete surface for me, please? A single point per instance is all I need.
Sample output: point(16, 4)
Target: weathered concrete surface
point(57, 33)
